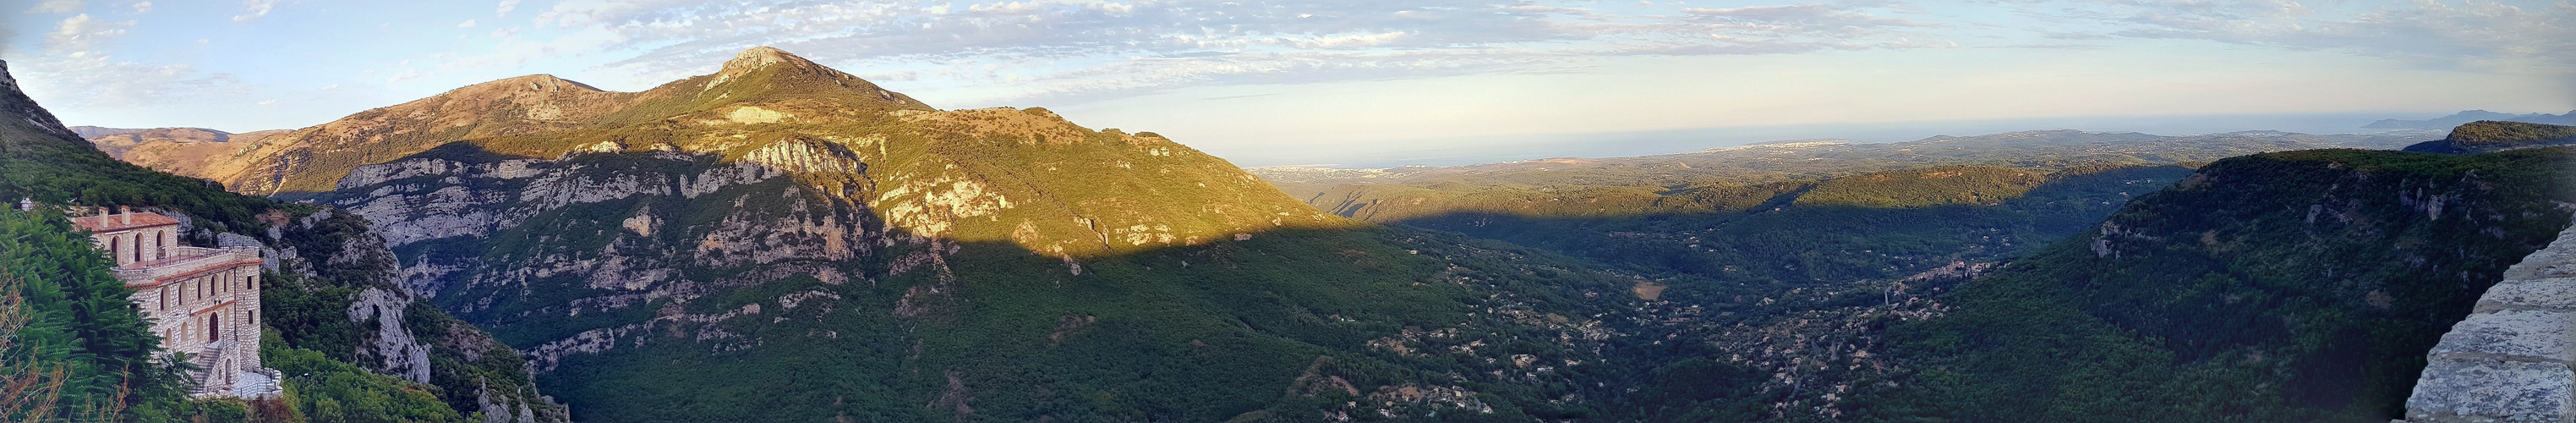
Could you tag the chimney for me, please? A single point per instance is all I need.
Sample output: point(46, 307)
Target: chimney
point(125, 214)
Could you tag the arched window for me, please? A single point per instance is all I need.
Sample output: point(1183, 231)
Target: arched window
point(116, 250)
point(138, 249)
point(164, 245)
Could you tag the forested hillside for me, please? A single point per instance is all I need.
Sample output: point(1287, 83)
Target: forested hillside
point(2293, 287)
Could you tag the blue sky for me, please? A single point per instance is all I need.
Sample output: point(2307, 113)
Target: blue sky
point(1271, 83)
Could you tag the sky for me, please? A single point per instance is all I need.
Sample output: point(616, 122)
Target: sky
point(1350, 81)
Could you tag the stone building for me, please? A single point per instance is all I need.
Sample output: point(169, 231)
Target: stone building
point(204, 302)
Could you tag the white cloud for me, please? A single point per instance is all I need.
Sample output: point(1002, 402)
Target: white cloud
point(81, 35)
point(506, 7)
point(2470, 34)
point(268, 102)
point(255, 9)
point(1069, 46)
point(57, 6)
point(143, 7)
point(469, 23)
point(77, 71)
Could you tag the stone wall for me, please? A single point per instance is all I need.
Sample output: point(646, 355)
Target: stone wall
point(2509, 361)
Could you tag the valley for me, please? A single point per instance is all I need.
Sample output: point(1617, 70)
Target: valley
point(783, 241)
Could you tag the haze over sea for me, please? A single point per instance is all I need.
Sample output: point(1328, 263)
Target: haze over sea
point(1443, 151)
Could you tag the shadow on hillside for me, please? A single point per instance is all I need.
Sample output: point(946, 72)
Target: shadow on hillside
point(1287, 323)
point(1778, 243)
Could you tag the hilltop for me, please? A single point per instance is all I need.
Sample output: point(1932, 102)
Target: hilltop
point(183, 151)
point(2467, 116)
point(2486, 136)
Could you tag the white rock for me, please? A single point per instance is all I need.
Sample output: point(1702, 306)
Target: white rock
point(2519, 335)
point(2492, 391)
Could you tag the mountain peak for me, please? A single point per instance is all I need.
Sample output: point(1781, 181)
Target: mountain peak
point(762, 57)
point(539, 82)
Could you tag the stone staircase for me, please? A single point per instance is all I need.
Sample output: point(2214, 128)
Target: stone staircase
point(250, 383)
point(2513, 359)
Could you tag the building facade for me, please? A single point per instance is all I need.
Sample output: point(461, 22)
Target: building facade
point(204, 302)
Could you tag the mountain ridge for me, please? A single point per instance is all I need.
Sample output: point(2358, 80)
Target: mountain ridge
point(2467, 116)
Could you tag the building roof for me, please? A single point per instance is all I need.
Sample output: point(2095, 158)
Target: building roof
point(112, 223)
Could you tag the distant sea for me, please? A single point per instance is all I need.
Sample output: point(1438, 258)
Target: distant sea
point(1492, 149)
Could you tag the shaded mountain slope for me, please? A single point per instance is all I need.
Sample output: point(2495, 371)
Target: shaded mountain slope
point(2299, 286)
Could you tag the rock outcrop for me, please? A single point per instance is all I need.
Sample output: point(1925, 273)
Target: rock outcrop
point(2510, 361)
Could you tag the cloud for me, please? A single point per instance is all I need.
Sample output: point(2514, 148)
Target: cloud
point(506, 7)
point(143, 7)
point(469, 23)
point(81, 34)
point(255, 9)
point(1069, 47)
point(2471, 34)
point(57, 6)
point(76, 71)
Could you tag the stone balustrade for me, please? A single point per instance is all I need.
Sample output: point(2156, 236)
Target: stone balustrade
point(184, 260)
point(2510, 360)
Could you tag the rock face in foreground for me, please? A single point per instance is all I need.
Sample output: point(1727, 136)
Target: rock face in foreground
point(2509, 362)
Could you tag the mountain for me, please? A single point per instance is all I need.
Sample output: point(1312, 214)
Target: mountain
point(354, 345)
point(2464, 117)
point(783, 241)
point(184, 151)
point(86, 131)
point(760, 87)
point(2295, 286)
point(2487, 135)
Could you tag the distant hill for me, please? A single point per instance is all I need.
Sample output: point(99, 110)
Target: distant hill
point(183, 151)
point(1815, 159)
point(2464, 117)
point(2487, 135)
point(87, 131)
